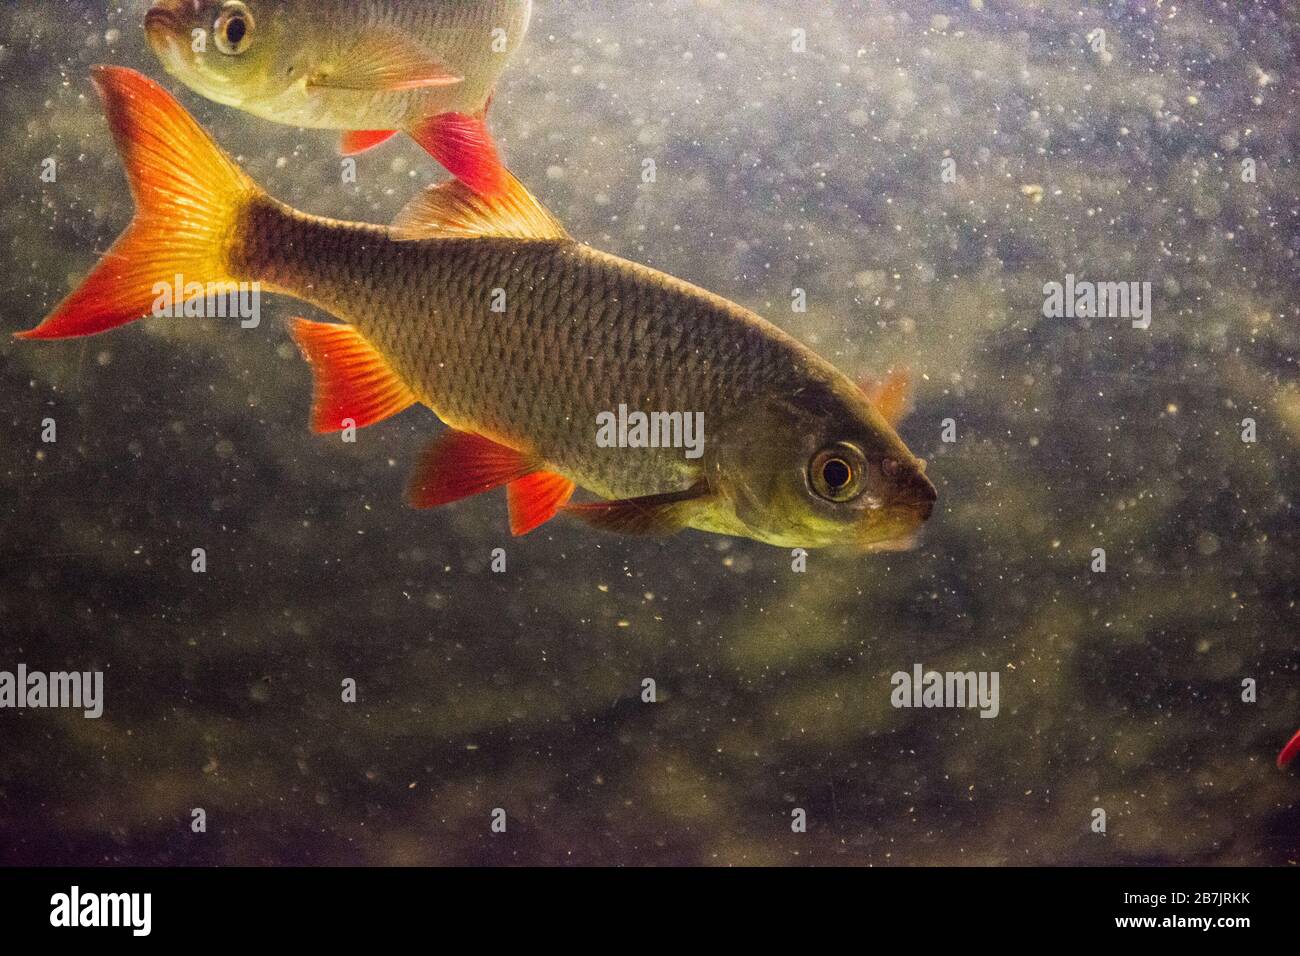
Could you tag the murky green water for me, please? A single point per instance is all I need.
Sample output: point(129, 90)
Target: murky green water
point(777, 170)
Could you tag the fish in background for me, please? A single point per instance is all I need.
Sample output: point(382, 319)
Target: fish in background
point(367, 67)
point(1288, 753)
point(795, 453)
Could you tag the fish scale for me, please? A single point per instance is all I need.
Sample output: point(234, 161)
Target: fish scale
point(459, 30)
point(583, 332)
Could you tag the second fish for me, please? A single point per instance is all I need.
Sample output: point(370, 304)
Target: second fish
point(426, 67)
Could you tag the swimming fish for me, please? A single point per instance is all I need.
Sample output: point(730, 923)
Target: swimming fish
point(1288, 752)
point(520, 339)
point(427, 67)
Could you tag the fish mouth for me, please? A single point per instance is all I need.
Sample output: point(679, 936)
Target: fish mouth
point(925, 496)
point(895, 528)
point(916, 495)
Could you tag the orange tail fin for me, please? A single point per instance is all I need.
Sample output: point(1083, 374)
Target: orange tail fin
point(188, 197)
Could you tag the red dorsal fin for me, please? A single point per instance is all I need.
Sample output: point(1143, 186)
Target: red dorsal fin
point(534, 499)
point(352, 380)
point(891, 396)
point(359, 140)
point(460, 464)
point(452, 210)
point(463, 144)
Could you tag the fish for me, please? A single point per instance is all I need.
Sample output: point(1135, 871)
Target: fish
point(1288, 753)
point(370, 69)
point(793, 452)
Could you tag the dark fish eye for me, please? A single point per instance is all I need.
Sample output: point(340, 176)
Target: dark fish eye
point(836, 472)
point(233, 30)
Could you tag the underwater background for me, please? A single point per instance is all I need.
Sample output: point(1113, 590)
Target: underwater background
point(775, 170)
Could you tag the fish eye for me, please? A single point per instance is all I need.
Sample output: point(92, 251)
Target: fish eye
point(233, 30)
point(836, 472)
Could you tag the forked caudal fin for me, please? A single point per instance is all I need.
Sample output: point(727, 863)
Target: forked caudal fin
point(188, 197)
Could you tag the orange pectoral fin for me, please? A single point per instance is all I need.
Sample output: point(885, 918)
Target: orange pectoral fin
point(464, 146)
point(352, 380)
point(892, 395)
point(461, 464)
point(383, 61)
point(359, 140)
point(535, 499)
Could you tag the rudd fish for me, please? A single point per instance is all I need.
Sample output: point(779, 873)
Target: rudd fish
point(794, 453)
point(1288, 753)
point(427, 67)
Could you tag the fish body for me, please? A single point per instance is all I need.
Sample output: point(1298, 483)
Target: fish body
point(582, 332)
point(366, 67)
point(793, 452)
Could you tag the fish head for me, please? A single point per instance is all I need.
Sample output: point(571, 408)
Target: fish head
point(225, 50)
point(820, 467)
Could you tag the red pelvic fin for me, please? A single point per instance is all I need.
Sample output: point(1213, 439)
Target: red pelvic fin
point(359, 140)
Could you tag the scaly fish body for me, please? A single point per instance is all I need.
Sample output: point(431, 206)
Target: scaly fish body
point(582, 332)
point(793, 452)
point(369, 65)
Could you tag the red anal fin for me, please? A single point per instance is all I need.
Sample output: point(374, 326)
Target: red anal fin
point(464, 146)
point(891, 396)
point(461, 464)
point(1289, 752)
point(352, 380)
point(535, 499)
point(359, 140)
